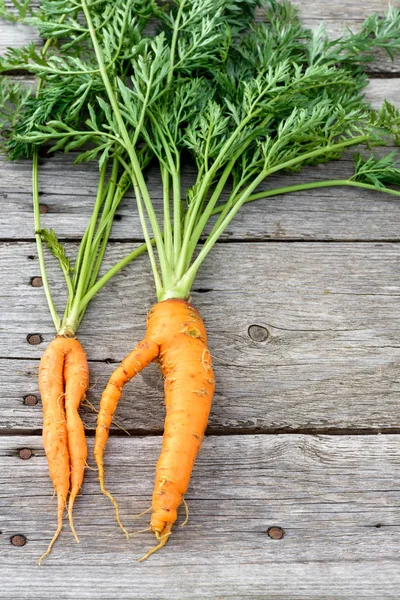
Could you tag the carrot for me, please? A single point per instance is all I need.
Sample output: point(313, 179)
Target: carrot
point(63, 381)
point(140, 357)
point(177, 336)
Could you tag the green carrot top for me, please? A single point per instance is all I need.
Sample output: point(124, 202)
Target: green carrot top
point(130, 82)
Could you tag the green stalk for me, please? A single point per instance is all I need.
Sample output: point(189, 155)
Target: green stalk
point(72, 320)
point(309, 186)
point(206, 215)
point(168, 242)
point(176, 190)
point(188, 278)
point(36, 213)
point(105, 230)
point(139, 181)
point(98, 237)
point(110, 273)
point(193, 211)
point(39, 243)
point(174, 170)
point(174, 42)
point(252, 198)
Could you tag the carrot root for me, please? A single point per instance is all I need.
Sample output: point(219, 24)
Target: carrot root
point(162, 540)
point(177, 336)
point(138, 359)
point(117, 512)
point(185, 522)
point(71, 518)
point(60, 512)
point(63, 381)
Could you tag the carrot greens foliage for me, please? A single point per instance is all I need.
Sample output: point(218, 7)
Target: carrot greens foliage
point(130, 82)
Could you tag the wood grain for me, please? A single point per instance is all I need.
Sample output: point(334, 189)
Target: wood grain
point(329, 313)
point(305, 337)
point(336, 498)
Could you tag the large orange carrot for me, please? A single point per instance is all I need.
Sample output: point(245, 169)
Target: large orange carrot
point(176, 334)
point(63, 381)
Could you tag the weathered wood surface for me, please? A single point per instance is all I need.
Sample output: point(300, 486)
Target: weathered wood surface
point(335, 497)
point(323, 358)
point(330, 311)
point(68, 193)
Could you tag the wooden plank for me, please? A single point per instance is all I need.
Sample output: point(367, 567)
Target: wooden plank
point(336, 498)
point(330, 312)
point(68, 193)
point(337, 17)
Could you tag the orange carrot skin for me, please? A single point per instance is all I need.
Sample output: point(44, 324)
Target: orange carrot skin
point(76, 377)
point(144, 353)
point(55, 435)
point(176, 334)
point(63, 381)
point(189, 387)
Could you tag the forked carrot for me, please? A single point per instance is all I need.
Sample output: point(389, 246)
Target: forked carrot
point(63, 381)
point(177, 336)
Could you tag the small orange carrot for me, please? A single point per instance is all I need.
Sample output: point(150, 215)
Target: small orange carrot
point(63, 381)
point(176, 334)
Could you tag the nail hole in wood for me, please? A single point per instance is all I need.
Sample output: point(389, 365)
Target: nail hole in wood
point(31, 257)
point(43, 209)
point(34, 339)
point(203, 290)
point(25, 453)
point(276, 533)
point(117, 217)
point(36, 282)
point(378, 526)
point(258, 333)
point(18, 540)
point(30, 400)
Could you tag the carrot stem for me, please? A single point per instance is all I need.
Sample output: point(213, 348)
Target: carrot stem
point(39, 243)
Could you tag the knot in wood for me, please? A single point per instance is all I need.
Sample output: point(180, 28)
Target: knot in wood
point(258, 333)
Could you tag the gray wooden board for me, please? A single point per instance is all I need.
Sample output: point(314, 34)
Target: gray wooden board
point(331, 311)
point(331, 213)
point(330, 364)
point(336, 498)
point(336, 15)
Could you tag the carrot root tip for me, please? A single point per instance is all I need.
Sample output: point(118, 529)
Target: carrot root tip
point(116, 506)
point(50, 546)
point(162, 540)
point(187, 513)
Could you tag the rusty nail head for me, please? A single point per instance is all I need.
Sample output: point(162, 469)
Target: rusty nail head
point(276, 533)
point(34, 339)
point(25, 453)
point(43, 209)
point(36, 282)
point(30, 400)
point(18, 540)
